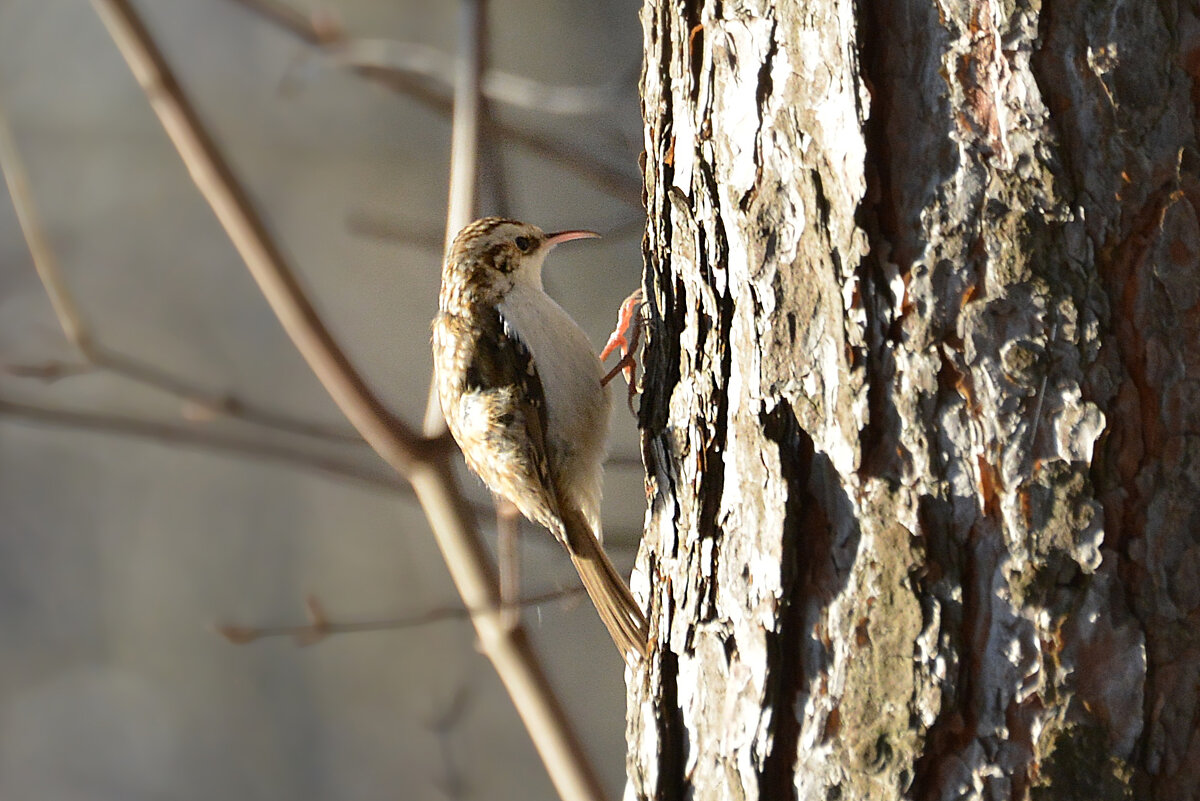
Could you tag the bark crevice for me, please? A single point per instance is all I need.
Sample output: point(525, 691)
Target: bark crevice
point(803, 524)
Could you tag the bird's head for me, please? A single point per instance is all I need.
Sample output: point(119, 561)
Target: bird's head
point(495, 254)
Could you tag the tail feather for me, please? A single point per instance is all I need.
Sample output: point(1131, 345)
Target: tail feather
point(610, 595)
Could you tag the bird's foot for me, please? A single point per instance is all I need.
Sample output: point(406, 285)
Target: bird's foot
point(626, 336)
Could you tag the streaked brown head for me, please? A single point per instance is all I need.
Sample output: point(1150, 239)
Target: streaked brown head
point(490, 255)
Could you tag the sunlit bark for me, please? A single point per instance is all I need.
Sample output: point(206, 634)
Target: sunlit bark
point(920, 412)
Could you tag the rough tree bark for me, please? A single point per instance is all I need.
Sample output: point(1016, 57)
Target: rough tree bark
point(921, 407)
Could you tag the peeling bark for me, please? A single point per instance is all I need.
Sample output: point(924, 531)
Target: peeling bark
point(920, 410)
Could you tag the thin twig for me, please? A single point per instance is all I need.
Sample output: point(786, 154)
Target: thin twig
point(494, 169)
point(199, 404)
point(464, 154)
point(204, 438)
point(49, 371)
point(581, 162)
point(319, 626)
point(464, 133)
point(453, 783)
point(426, 464)
point(69, 318)
point(245, 228)
point(383, 226)
point(198, 401)
point(508, 557)
point(203, 403)
point(295, 22)
point(427, 63)
point(618, 462)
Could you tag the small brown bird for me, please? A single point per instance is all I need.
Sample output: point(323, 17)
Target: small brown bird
point(523, 396)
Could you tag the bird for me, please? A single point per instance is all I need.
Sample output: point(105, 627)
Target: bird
point(523, 395)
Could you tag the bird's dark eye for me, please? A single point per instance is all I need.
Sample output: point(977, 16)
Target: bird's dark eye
point(523, 243)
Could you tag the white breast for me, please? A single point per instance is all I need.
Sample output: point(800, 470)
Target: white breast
point(576, 405)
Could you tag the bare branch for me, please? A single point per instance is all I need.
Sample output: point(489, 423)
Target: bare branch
point(49, 371)
point(425, 463)
point(69, 318)
point(199, 403)
point(319, 626)
point(453, 783)
point(205, 438)
point(508, 555)
point(215, 179)
point(573, 159)
point(382, 226)
point(208, 439)
point(464, 131)
point(464, 154)
point(621, 462)
point(312, 30)
point(422, 61)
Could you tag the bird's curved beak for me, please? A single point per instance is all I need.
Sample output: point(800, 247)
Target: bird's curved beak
point(558, 237)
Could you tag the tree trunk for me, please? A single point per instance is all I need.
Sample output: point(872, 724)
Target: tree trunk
point(920, 413)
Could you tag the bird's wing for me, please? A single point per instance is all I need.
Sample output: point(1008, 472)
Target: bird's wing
point(503, 381)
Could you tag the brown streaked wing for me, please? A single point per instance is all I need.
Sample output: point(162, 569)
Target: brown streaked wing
point(503, 369)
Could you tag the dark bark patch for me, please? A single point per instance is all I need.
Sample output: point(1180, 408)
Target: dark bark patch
point(803, 523)
point(1070, 771)
point(672, 733)
point(694, 37)
point(957, 724)
point(901, 47)
point(883, 456)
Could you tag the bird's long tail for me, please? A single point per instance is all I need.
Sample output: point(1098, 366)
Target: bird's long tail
point(610, 595)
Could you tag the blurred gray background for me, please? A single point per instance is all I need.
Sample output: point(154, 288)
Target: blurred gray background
point(117, 553)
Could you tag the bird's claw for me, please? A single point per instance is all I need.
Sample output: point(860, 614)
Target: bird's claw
point(626, 336)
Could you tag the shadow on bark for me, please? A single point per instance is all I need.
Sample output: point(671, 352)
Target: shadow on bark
point(820, 545)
